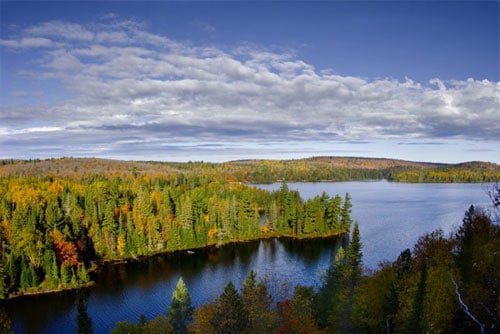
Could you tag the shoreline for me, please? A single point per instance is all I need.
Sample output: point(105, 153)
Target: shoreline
point(97, 265)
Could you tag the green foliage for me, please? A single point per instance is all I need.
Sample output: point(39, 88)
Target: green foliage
point(230, 315)
point(257, 301)
point(59, 225)
point(416, 293)
point(53, 226)
point(180, 311)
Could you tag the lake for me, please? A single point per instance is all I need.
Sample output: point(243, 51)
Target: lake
point(391, 217)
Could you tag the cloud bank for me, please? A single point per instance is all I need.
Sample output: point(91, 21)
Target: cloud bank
point(136, 91)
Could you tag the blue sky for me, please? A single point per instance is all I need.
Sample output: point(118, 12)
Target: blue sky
point(218, 81)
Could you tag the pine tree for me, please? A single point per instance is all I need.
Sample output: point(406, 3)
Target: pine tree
point(257, 302)
point(3, 287)
point(355, 256)
point(180, 312)
point(54, 273)
point(25, 280)
point(342, 318)
point(326, 298)
point(230, 315)
point(13, 269)
point(73, 282)
point(65, 275)
point(332, 213)
point(82, 274)
point(345, 214)
point(335, 299)
point(34, 280)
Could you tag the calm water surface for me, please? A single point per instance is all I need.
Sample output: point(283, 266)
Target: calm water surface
point(391, 217)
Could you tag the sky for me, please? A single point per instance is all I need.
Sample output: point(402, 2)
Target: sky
point(220, 81)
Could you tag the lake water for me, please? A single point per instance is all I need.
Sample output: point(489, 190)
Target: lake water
point(391, 217)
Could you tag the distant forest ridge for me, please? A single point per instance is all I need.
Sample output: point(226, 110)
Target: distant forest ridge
point(313, 169)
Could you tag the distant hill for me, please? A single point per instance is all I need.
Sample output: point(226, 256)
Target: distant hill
point(353, 162)
point(312, 169)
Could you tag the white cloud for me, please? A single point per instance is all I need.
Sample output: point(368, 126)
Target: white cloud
point(64, 30)
point(28, 43)
point(132, 83)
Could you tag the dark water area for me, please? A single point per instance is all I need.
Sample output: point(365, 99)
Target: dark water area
point(125, 291)
point(391, 216)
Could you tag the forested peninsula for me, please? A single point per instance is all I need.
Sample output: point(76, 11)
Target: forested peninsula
point(56, 227)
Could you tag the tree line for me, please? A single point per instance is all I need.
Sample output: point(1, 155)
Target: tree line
point(54, 231)
point(444, 285)
point(262, 171)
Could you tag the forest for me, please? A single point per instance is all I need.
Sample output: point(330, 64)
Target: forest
point(444, 285)
point(53, 231)
point(314, 169)
point(61, 218)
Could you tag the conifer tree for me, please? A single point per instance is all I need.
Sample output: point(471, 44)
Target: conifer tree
point(180, 312)
point(230, 315)
point(25, 280)
point(82, 274)
point(34, 280)
point(3, 287)
point(343, 318)
point(345, 214)
point(54, 273)
point(257, 302)
point(65, 274)
point(13, 269)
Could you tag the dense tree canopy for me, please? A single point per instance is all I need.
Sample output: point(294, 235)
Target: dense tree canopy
point(53, 229)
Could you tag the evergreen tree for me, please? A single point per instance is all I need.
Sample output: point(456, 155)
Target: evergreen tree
point(354, 256)
point(82, 274)
point(54, 273)
point(230, 315)
point(257, 302)
point(180, 312)
point(34, 280)
point(343, 316)
point(65, 275)
point(345, 214)
point(25, 279)
point(54, 216)
point(3, 287)
point(73, 281)
point(332, 214)
point(334, 302)
point(13, 269)
point(325, 299)
point(109, 228)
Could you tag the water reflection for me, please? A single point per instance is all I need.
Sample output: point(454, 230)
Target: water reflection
point(83, 321)
point(34, 314)
point(5, 322)
point(127, 290)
